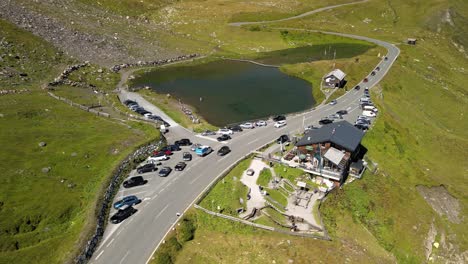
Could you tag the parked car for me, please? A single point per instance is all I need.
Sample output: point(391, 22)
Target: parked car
point(365, 80)
point(223, 138)
point(158, 156)
point(279, 118)
point(247, 125)
point(171, 148)
point(148, 115)
point(333, 102)
point(357, 87)
point(325, 121)
point(361, 127)
point(149, 167)
point(372, 73)
point(223, 150)
point(164, 151)
point(127, 201)
point(180, 166)
point(208, 133)
point(378, 68)
point(386, 58)
point(368, 113)
point(155, 117)
point(370, 108)
point(122, 214)
point(164, 171)
point(195, 146)
point(236, 128)
point(364, 99)
point(342, 112)
point(186, 156)
point(203, 151)
point(250, 172)
point(280, 123)
point(183, 142)
point(127, 102)
point(134, 181)
point(282, 139)
point(335, 116)
point(261, 123)
point(225, 131)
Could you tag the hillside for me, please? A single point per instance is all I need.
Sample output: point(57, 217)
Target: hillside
point(411, 210)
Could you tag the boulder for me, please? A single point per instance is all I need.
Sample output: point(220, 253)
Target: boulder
point(42, 144)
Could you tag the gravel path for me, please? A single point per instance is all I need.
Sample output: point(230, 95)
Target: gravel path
point(256, 198)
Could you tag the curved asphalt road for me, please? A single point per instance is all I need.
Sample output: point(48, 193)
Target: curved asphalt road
point(135, 239)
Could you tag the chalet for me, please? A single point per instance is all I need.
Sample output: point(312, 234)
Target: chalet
point(335, 78)
point(411, 41)
point(330, 150)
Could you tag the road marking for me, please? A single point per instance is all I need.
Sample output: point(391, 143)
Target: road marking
point(118, 233)
point(195, 179)
point(126, 254)
point(160, 212)
point(347, 109)
point(110, 242)
point(252, 141)
point(223, 158)
point(99, 255)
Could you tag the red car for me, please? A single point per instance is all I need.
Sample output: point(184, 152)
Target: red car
point(365, 80)
point(167, 152)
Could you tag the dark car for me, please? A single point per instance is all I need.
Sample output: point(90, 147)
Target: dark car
point(279, 118)
point(183, 142)
point(180, 166)
point(386, 58)
point(365, 80)
point(223, 150)
point(164, 171)
point(361, 126)
point(236, 128)
point(173, 147)
point(372, 73)
point(223, 138)
point(134, 181)
point(357, 87)
point(342, 112)
point(325, 121)
point(187, 156)
point(127, 201)
point(128, 102)
point(377, 69)
point(282, 139)
point(122, 214)
point(147, 168)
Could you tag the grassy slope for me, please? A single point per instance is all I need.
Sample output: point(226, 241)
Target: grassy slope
point(43, 220)
point(420, 136)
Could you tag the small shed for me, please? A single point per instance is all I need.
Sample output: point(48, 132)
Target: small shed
point(411, 41)
point(335, 78)
point(356, 168)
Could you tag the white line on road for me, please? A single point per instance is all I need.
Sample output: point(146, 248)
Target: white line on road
point(110, 242)
point(194, 180)
point(252, 141)
point(118, 233)
point(99, 255)
point(126, 254)
point(160, 213)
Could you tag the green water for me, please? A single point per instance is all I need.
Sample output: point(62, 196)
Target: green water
point(226, 92)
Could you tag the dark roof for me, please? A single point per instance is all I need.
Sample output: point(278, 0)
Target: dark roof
point(358, 165)
point(340, 133)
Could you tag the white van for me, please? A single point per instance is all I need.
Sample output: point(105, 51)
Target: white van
point(370, 108)
point(368, 113)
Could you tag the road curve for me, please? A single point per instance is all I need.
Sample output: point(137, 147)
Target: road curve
point(318, 10)
point(136, 239)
